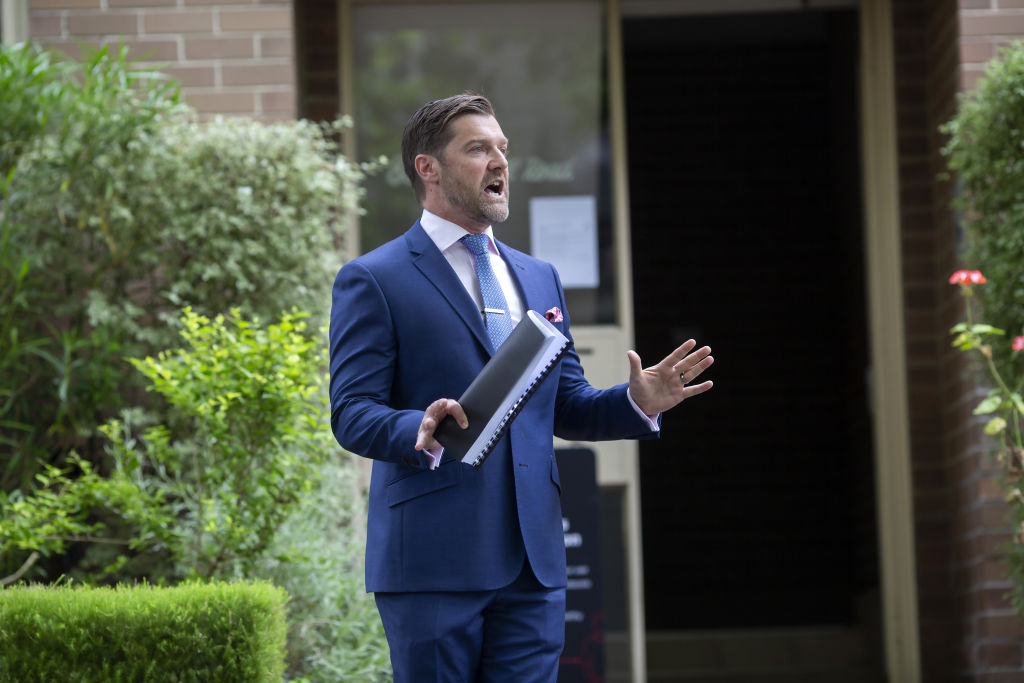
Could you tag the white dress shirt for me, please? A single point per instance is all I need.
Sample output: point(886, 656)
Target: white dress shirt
point(446, 236)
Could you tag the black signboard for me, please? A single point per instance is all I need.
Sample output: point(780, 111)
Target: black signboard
point(582, 660)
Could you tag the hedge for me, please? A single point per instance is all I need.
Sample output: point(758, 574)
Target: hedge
point(207, 633)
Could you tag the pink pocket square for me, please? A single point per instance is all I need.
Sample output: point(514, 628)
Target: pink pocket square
point(554, 315)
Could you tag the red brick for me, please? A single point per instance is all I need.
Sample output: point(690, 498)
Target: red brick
point(998, 654)
point(152, 50)
point(194, 21)
point(72, 48)
point(63, 4)
point(276, 46)
point(1001, 626)
point(44, 25)
point(232, 102)
point(218, 48)
point(105, 24)
point(282, 101)
point(992, 24)
point(262, 19)
point(976, 51)
point(259, 74)
point(998, 677)
point(141, 3)
point(192, 76)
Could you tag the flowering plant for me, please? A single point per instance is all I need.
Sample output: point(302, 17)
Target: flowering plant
point(1003, 402)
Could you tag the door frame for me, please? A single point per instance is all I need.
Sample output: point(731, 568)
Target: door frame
point(884, 278)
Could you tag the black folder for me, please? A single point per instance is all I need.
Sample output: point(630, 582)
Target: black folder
point(499, 392)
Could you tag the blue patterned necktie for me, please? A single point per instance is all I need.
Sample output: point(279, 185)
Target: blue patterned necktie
point(497, 317)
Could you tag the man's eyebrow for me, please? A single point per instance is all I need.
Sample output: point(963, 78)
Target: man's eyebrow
point(486, 141)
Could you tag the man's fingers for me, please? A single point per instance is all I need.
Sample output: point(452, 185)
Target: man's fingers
point(695, 363)
point(693, 390)
point(432, 417)
point(691, 372)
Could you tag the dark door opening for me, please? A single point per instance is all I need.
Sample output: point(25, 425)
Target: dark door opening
point(758, 500)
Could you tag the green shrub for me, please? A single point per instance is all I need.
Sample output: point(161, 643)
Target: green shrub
point(122, 209)
point(245, 434)
point(67, 130)
point(204, 633)
point(986, 152)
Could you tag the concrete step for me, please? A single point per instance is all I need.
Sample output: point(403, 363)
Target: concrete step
point(780, 655)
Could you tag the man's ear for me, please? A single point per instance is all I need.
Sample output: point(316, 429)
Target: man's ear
point(426, 168)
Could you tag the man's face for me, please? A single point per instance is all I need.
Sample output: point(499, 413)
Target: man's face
point(473, 173)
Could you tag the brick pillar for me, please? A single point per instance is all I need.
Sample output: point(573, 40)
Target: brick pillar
point(232, 57)
point(918, 35)
point(969, 631)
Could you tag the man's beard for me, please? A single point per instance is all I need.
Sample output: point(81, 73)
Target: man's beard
point(472, 201)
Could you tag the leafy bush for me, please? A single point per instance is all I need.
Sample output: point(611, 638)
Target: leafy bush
point(257, 486)
point(986, 152)
point(68, 506)
point(66, 127)
point(193, 632)
point(249, 441)
point(121, 209)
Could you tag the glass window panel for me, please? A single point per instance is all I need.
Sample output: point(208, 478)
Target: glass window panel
point(542, 66)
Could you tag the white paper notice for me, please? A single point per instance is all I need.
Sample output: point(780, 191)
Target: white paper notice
point(563, 232)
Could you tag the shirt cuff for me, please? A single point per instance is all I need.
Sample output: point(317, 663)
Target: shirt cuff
point(433, 457)
point(651, 420)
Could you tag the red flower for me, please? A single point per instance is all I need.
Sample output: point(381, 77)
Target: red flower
point(1018, 343)
point(967, 277)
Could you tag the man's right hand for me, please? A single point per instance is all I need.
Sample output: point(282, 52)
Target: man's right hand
point(432, 417)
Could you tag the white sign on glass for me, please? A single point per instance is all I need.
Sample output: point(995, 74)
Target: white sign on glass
point(563, 232)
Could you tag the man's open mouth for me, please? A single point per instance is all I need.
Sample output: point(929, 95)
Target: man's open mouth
point(496, 188)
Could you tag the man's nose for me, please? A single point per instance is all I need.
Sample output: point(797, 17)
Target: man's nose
point(497, 160)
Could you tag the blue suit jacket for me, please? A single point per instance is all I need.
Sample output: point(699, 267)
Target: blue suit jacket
point(404, 332)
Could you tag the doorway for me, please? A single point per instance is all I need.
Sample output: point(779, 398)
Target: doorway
point(758, 499)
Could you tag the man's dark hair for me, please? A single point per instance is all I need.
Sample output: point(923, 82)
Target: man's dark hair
point(429, 132)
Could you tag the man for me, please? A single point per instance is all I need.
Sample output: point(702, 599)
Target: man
point(467, 566)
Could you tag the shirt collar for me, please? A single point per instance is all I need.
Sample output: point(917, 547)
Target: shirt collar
point(444, 233)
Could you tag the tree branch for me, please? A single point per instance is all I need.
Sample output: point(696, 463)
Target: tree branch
point(21, 570)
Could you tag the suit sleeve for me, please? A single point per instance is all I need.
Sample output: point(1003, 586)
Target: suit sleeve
point(583, 413)
point(362, 365)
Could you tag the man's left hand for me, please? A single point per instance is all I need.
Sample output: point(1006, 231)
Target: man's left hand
point(667, 384)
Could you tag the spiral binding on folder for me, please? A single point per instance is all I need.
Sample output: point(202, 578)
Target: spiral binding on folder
point(520, 402)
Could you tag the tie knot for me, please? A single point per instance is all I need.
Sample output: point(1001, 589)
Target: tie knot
point(476, 243)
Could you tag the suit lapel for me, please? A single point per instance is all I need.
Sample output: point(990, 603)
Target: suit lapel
point(530, 285)
point(429, 260)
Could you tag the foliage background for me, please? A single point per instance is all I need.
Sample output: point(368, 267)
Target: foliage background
point(985, 151)
point(119, 210)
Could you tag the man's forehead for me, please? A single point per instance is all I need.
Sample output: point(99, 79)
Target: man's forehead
point(477, 126)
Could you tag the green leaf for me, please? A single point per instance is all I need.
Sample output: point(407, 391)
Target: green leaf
point(983, 328)
point(989, 405)
point(995, 426)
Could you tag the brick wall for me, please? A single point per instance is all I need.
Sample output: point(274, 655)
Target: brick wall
point(233, 57)
point(918, 55)
point(968, 630)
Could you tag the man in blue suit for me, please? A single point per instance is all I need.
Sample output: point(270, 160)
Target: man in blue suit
point(468, 566)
